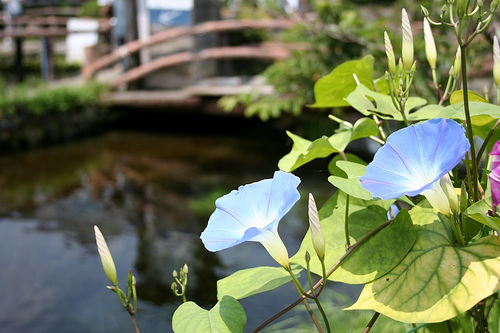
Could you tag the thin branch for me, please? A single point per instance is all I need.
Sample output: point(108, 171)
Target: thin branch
point(371, 323)
point(320, 282)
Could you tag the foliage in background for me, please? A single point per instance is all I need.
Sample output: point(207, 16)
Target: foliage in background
point(36, 99)
point(333, 34)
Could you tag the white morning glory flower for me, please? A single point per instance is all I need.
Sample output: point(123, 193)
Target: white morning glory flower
point(416, 160)
point(252, 213)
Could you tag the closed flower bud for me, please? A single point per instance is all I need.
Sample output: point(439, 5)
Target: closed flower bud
point(407, 52)
point(389, 51)
point(496, 61)
point(462, 6)
point(430, 46)
point(494, 5)
point(317, 236)
point(106, 259)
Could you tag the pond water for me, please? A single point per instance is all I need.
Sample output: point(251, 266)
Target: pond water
point(151, 195)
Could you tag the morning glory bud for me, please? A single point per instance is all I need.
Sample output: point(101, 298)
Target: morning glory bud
point(450, 193)
point(457, 66)
point(317, 236)
point(496, 61)
point(407, 53)
point(494, 5)
point(106, 259)
point(389, 51)
point(430, 46)
point(462, 6)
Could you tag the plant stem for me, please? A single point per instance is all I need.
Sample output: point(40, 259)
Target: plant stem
point(470, 135)
point(488, 137)
point(316, 300)
point(321, 281)
point(135, 324)
point(306, 304)
point(371, 322)
point(346, 223)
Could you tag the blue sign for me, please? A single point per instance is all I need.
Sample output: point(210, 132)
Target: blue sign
point(169, 17)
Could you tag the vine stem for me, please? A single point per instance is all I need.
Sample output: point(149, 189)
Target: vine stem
point(470, 134)
point(320, 282)
point(371, 322)
point(308, 307)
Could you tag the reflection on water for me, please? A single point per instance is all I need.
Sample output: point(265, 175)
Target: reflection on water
point(151, 195)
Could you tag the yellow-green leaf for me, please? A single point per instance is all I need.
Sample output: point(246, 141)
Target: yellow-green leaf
point(458, 97)
point(331, 90)
point(385, 250)
point(252, 281)
point(227, 316)
point(436, 280)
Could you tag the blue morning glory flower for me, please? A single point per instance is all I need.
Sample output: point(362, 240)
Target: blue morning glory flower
point(416, 160)
point(252, 213)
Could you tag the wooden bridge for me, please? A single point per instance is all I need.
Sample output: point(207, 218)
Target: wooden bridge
point(193, 94)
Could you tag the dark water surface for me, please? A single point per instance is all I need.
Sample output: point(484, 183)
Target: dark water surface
point(151, 195)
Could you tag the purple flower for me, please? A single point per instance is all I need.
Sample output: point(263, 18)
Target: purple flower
point(252, 213)
point(415, 160)
point(494, 176)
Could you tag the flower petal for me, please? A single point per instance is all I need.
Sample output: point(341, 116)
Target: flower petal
point(494, 177)
point(414, 157)
point(241, 215)
point(495, 155)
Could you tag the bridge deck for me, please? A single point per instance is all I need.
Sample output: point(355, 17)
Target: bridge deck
point(188, 97)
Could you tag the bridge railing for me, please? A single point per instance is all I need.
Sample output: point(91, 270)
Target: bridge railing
point(274, 50)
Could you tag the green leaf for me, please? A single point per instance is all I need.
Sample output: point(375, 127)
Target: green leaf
point(335, 170)
point(351, 184)
point(332, 89)
point(458, 97)
point(303, 151)
point(436, 280)
point(251, 281)
point(368, 103)
point(478, 212)
point(226, 316)
point(385, 250)
point(455, 111)
point(363, 128)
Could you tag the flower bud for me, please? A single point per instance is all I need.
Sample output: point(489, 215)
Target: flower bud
point(494, 5)
point(496, 61)
point(174, 273)
point(462, 7)
point(106, 259)
point(450, 193)
point(317, 236)
point(430, 46)
point(185, 269)
point(407, 52)
point(457, 66)
point(389, 51)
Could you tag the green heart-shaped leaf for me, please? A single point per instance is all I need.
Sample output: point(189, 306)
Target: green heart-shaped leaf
point(226, 316)
point(436, 280)
point(369, 102)
point(458, 97)
point(478, 212)
point(251, 281)
point(385, 249)
point(331, 89)
point(351, 185)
